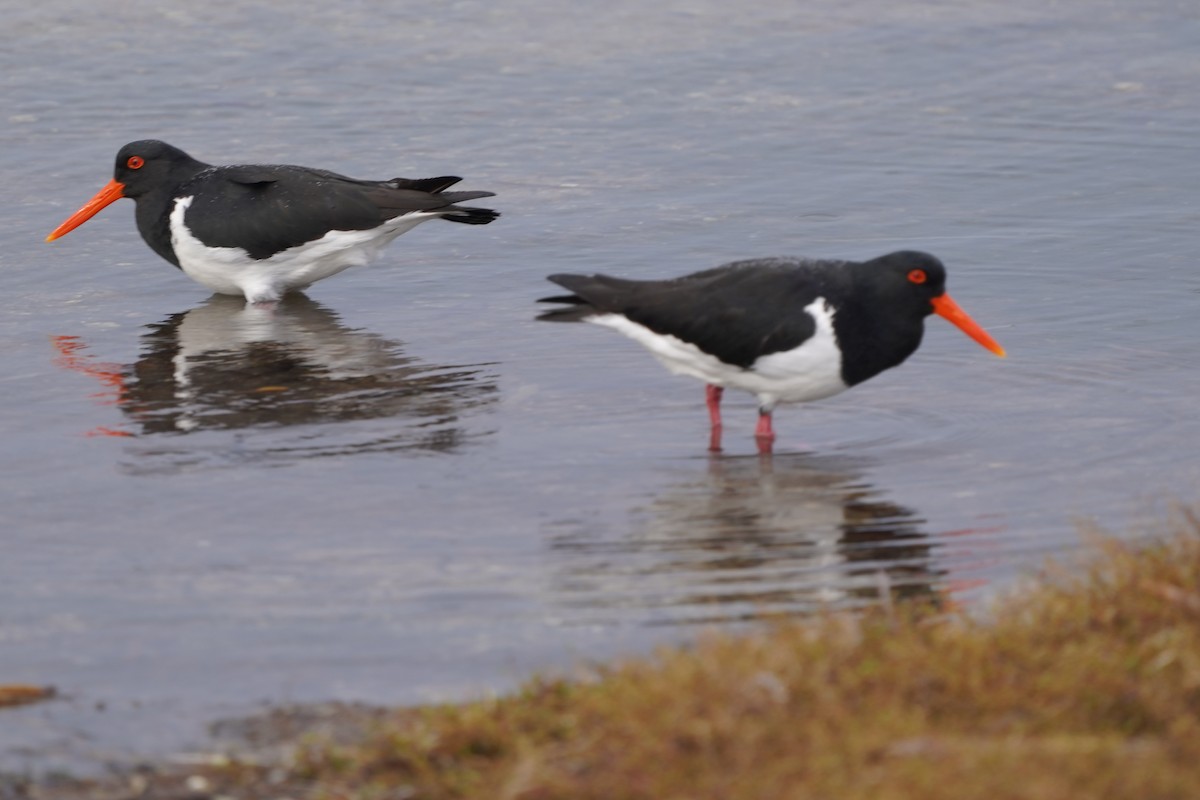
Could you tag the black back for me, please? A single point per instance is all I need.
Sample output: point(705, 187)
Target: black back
point(747, 309)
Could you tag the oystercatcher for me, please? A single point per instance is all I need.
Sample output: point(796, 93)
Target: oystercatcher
point(263, 230)
point(789, 330)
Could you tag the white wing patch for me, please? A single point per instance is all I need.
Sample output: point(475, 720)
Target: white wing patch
point(231, 270)
point(808, 372)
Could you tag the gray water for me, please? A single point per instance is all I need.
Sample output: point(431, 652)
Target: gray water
point(402, 488)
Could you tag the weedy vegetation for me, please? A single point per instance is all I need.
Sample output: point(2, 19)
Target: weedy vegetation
point(1085, 684)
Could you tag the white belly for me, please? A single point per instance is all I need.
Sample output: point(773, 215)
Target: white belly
point(808, 372)
point(230, 270)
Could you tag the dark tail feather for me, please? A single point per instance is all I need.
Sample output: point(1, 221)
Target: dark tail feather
point(462, 197)
point(577, 309)
point(431, 185)
point(469, 215)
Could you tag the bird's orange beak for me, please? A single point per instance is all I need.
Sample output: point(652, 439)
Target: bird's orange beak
point(112, 192)
point(945, 307)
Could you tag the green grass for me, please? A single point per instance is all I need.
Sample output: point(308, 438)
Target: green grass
point(1086, 685)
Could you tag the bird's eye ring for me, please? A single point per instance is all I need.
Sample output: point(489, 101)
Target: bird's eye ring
point(135, 162)
point(916, 276)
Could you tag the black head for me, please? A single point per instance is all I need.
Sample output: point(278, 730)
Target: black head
point(142, 168)
point(149, 164)
point(914, 284)
point(908, 277)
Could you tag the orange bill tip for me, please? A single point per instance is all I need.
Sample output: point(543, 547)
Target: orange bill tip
point(948, 309)
point(112, 191)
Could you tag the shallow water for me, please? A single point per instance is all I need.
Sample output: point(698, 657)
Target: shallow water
point(402, 488)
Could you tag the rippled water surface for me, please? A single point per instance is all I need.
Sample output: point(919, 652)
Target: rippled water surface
point(402, 488)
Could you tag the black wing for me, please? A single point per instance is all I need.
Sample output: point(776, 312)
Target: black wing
point(252, 174)
point(737, 312)
point(266, 209)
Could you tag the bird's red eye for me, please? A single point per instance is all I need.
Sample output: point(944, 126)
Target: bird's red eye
point(916, 276)
point(135, 162)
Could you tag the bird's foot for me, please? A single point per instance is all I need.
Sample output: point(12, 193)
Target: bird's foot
point(267, 306)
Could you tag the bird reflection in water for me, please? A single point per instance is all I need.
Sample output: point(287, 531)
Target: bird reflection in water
point(292, 376)
point(752, 537)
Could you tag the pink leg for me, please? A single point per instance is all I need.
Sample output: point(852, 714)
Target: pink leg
point(712, 396)
point(764, 434)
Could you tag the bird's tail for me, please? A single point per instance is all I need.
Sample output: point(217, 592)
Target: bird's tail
point(468, 215)
point(577, 309)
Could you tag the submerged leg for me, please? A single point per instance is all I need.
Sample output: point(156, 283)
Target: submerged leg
point(712, 396)
point(764, 434)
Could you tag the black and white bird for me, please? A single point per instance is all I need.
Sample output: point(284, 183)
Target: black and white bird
point(788, 330)
point(264, 230)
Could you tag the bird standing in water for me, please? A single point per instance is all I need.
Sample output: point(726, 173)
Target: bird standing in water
point(262, 231)
point(788, 330)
